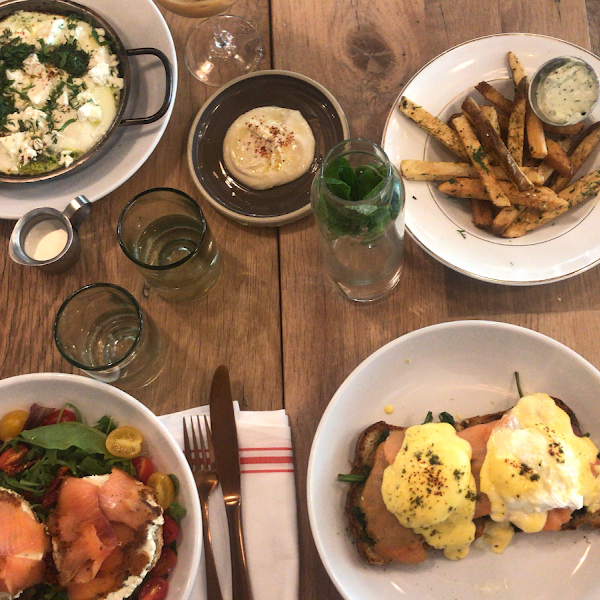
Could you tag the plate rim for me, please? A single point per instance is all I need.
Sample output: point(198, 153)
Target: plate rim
point(445, 262)
point(277, 220)
point(311, 500)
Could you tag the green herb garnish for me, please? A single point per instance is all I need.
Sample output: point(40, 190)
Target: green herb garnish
point(518, 380)
point(14, 53)
point(428, 418)
point(446, 418)
point(352, 478)
point(68, 56)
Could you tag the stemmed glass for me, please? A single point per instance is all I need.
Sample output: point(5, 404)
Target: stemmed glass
point(221, 47)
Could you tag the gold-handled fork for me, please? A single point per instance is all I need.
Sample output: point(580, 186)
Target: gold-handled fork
point(202, 463)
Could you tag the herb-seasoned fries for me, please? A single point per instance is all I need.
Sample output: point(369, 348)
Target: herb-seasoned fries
point(505, 197)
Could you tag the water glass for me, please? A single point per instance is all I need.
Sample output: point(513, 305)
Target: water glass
point(362, 233)
point(164, 233)
point(102, 330)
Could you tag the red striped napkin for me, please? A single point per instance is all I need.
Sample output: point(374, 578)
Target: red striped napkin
point(269, 505)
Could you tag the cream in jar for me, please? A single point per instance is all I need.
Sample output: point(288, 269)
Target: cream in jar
point(268, 146)
point(567, 93)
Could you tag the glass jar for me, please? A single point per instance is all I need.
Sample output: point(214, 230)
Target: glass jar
point(357, 198)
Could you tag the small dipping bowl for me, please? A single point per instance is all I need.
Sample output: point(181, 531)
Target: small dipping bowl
point(541, 76)
point(47, 238)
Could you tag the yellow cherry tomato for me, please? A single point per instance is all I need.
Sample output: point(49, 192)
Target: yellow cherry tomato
point(163, 489)
point(125, 442)
point(12, 424)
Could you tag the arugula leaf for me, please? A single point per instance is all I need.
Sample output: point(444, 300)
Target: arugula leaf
point(446, 418)
point(176, 512)
point(105, 425)
point(62, 436)
point(428, 418)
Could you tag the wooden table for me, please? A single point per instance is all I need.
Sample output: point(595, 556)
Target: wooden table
point(288, 338)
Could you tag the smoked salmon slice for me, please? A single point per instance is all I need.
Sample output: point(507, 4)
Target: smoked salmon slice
point(23, 543)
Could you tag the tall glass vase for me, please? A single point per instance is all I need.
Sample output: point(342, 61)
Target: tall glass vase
point(357, 198)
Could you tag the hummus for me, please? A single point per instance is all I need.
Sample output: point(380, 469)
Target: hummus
point(268, 146)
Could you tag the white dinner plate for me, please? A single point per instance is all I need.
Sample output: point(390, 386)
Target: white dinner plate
point(128, 147)
point(441, 225)
point(465, 368)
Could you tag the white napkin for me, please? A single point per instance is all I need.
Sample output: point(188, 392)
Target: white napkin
point(269, 515)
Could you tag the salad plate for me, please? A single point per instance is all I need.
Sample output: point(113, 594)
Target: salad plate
point(128, 147)
point(465, 368)
point(94, 400)
point(442, 226)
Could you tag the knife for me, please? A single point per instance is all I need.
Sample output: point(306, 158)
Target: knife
point(225, 442)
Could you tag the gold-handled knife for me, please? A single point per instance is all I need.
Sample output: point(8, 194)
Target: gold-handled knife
point(225, 442)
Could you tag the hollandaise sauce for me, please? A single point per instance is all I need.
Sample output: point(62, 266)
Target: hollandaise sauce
point(431, 490)
point(535, 463)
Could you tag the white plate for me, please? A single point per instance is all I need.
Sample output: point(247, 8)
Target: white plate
point(94, 400)
point(465, 368)
point(566, 247)
point(128, 147)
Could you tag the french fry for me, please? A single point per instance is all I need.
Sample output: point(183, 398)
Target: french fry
point(558, 159)
point(502, 103)
point(481, 211)
point(581, 190)
point(536, 139)
point(480, 161)
point(564, 129)
point(433, 125)
point(518, 227)
point(503, 120)
point(516, 67)
point(423, 170)
point(545, 169)
point(516, 124)
point(579, 154)
point(505, 218)
point(540, 198)
point(491, 114)
point(494, 144)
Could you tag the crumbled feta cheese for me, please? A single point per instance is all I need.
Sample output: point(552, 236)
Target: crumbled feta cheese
point(100, 73)
point(90, 111)
point(66, 158)
point(57, 33)
point(19, 146)
point(63, 99)
point(33, 67)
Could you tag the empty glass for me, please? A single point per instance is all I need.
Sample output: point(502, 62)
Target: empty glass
point(164, 233)
point(102, 330)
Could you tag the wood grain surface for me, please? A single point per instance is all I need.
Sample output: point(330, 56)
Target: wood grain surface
point(288, 338)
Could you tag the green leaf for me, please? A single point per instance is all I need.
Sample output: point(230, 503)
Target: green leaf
point(65, 435)
point(175, 481)
point(446, 418)
point(105, 425)
point(176, 512)
point(428, 418)
point(338, 187)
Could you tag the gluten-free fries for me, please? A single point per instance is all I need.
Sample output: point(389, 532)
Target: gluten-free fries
point(498, 139)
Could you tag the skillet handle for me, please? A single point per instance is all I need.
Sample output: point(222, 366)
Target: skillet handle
point(168, 91)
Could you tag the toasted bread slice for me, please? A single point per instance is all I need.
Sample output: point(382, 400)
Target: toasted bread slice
point(364, 459)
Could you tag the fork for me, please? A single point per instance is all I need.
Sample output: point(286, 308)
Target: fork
point(203, 466)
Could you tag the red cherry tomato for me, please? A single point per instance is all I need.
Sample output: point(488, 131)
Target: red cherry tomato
point(67, 415)
point(143, 468)
point(155, 588)
point(165, 564)
point(170, 530)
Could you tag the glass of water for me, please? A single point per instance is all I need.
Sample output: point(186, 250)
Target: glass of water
point(102, 330)
point(164, 233)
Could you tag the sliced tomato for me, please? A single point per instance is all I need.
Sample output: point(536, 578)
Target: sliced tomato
point(170, 530)
point(143, 468)
point(60, 415)
point(163, 488)
point(12, 423)
point(165, 564)
point(155, 588)
point(125, 442)
point(51, 496)
point(12, 461)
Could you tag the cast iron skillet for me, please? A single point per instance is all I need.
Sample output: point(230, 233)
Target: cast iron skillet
point(66, 7)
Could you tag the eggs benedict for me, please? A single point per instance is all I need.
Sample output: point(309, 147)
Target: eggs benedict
point(439, 486)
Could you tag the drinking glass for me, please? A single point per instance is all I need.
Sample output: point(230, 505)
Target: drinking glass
point(164, 233)
point(362, 239)
point(102, 330)
point(221, 47)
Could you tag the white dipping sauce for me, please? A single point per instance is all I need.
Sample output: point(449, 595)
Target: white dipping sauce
point(268, 146)
point(46, 240)
point(567, 93)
